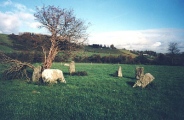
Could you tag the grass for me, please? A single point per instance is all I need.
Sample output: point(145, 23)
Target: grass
point(5, 43)
point(128, 53)
point(6, 49)
point(5, 39)
point(106, 52)
point(99, 95)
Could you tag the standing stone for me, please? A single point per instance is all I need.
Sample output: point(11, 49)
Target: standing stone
point(72, 67)
point(139, 71)
point(120, 72)
point(144, 80)
point(37, 73)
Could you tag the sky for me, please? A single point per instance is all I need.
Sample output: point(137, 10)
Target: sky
point(129, 24)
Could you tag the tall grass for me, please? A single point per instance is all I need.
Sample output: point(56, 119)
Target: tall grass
point(99, 95)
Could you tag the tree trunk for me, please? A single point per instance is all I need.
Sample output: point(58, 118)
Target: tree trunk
point(52, 54)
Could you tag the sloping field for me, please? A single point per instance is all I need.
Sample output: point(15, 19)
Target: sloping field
point(5, 43)
point(107, 51)
point(5, 39)
point(97, 96)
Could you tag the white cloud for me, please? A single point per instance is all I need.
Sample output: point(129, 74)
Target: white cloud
point(17, 19)
point(34, 25)
point(6, 3)
point(157, 44)
point(155, 39)
point(20, 7)
point(9, 22)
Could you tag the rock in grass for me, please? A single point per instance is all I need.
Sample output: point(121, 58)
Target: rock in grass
point(120, 72)
point(144, 80)
point(139, 71)
point(37, 73)
point(72, 67)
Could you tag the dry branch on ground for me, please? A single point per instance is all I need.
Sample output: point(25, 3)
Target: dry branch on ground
point(17, 69)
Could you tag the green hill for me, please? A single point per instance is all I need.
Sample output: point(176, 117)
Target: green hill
point(9, 45)
point(6, 44)
point(107, 51)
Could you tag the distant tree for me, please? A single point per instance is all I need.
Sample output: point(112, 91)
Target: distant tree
point(95, 45)
point(173, 48)
point(121, 59)
point(95, 58)
point(161, 59)
point(173, 51)
point(66, 30)
point(141, 59)
point(112, 46)
point(129, 59)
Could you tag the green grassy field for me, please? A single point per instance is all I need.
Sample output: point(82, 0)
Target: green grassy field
point(5, 43)
point(99, 95)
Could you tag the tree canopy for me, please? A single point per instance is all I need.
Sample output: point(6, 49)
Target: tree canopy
point(173, 48)
point(65, 29)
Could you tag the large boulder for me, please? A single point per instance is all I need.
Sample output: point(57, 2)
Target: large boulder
point(144, 80)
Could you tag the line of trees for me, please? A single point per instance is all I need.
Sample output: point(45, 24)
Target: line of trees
point(100, 46)
point(159, 59)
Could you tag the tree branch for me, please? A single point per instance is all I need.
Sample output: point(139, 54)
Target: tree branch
point(17, 68)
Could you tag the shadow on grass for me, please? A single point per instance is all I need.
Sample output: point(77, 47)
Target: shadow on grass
point(77, 73)
point(151, 86)
point(130, 83)
point(113, 75)
point(132, 78)
point(66, 73)
point(124, 76)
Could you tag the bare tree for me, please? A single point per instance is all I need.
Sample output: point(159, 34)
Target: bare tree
point(66, 30)
point(173, 50)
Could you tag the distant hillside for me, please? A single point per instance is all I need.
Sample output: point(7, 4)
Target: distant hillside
point(28, 47)
point(27, 42)
point(6, 43)
point(108, 51)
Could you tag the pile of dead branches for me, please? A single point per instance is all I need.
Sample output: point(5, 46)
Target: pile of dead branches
point(16, 69)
